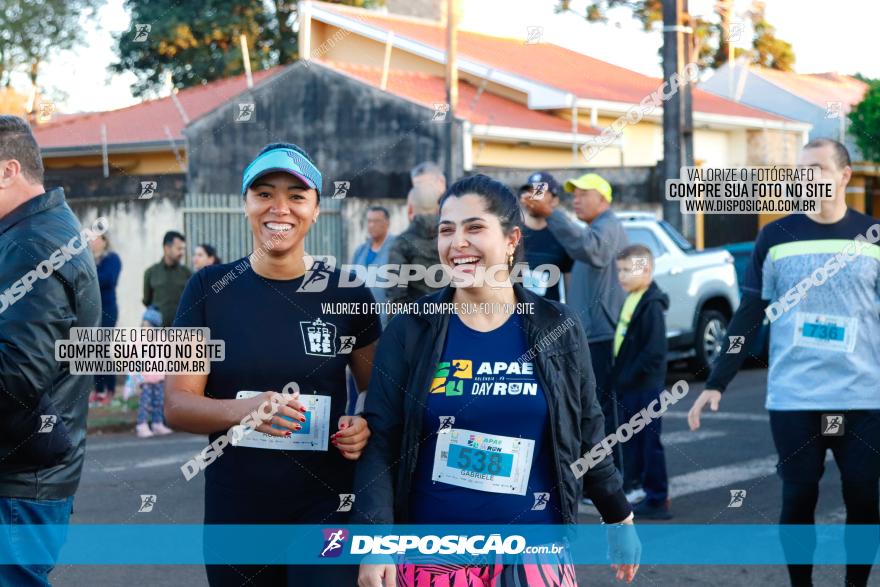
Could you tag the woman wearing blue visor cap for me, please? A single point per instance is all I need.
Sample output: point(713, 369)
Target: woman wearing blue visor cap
point(282, 353)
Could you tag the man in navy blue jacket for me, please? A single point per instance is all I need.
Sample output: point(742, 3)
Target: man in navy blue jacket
point(638, 377)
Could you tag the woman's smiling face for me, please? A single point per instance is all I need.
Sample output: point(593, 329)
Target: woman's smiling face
point(281, 208)
point(469, 236)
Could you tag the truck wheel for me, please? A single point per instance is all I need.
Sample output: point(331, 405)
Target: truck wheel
point(711, 330)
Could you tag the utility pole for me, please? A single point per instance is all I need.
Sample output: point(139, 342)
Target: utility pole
point(451, 85)
point(677, 110)
point(688, 221)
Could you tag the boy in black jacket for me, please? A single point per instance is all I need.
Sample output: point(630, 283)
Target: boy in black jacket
point(639, 375)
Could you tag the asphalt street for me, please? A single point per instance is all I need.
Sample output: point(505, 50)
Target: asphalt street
point(732, 450)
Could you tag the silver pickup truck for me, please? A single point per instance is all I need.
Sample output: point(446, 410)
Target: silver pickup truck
point(701, 285)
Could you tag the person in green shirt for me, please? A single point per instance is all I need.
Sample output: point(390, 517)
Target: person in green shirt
point(638, 376)
point(165, 281)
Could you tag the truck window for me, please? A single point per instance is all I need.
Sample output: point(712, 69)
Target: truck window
point(683, 243)
point(643, 236)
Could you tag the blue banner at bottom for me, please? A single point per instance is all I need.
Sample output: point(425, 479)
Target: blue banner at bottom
point(671, 544)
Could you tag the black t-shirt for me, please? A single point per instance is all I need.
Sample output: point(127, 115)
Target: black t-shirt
point(542, 248)
point(273, 335)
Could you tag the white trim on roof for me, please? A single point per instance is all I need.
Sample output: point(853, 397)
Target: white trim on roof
point(538, 93)
point(511, 134)
point(716, 120)
point(540, 96)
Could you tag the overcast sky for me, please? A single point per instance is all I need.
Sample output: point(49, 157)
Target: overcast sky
point(827, 36)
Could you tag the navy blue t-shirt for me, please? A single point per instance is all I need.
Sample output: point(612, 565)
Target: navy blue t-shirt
point(273, 335)
point(480, 386)
point(542, 248)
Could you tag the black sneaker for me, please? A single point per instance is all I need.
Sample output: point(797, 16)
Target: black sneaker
point(652, 510)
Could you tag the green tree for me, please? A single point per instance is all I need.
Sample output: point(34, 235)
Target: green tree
point(710, 36)
point(198, 42)
point(767, 50)
point(865, 123)
point(31, 31)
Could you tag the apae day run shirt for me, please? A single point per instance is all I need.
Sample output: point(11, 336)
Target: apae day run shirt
point(825, 348)
point(275, 334)
point(479, 385)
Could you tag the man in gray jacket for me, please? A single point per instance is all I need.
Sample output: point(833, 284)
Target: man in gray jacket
point(374, 251)
point(48, 285)
point(595, 294)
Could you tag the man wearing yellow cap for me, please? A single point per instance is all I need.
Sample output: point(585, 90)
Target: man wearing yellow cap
point(595, 293)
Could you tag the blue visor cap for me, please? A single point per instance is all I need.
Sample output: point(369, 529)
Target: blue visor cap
point(286, 160)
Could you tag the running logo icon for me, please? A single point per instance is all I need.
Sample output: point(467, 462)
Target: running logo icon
point(346, 345)
point(541, 501)
point(736, 344)
point(346, 500)
point(534, 34)
point(141, 32)
point(245, 112)
point(319, 338)
point(148, 190)
point(639, 264)
point(734, 31)
point(446, 424)
point(832, 424)
point(539, 188)
point(737, 496)
point(45, 112)
point(833, 109)
point(333, 541)
point(440, 112)
point(147, 503)
point(464, 369)
point(317, 276)
point(47, 423)
point(340, 189)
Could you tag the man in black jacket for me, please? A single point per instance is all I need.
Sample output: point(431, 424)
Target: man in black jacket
point(638, 377)
point(417, 245)
point(48, 285)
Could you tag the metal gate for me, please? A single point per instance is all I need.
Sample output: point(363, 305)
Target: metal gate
point(219, 220)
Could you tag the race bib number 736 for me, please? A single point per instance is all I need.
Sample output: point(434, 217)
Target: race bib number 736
point(821, 331)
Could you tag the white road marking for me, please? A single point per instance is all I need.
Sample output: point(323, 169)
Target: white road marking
point(686, 436)
point(177, 459)
point(723, 476)
point(144, 442)
point(717, 477)
point(711, 478)
point(732, 416)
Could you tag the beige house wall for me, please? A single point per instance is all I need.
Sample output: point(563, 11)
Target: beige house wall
point(158, 163)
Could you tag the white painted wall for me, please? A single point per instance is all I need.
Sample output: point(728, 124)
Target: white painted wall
point(135, 230)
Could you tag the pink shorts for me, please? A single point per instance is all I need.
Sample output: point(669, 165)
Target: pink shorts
point(544, 570)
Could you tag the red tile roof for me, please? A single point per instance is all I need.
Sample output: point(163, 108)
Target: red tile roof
point(145, 122)
point(818, 88)
point(487, 108)
point(544, 63)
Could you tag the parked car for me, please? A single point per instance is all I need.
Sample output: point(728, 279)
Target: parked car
point(702, 288)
